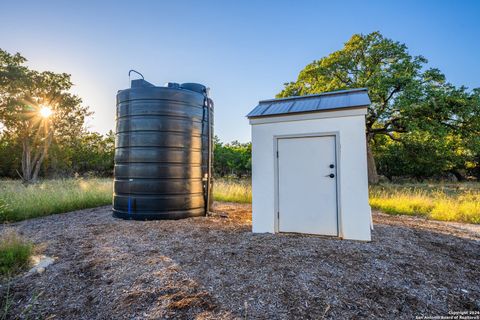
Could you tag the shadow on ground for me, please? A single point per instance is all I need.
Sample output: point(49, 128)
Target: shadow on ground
point(215, 268)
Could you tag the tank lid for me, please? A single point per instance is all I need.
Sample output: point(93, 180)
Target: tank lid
point(172, 85)
point(140, 83)
point(197, 87)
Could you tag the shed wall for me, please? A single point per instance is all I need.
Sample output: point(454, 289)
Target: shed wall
point(354, 210)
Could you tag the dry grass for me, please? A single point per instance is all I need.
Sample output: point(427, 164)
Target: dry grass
point(185, 300)
point(445, 202)
point(231, 190)
point(18, 202)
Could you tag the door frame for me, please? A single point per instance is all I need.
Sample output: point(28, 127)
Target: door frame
point(336, 136)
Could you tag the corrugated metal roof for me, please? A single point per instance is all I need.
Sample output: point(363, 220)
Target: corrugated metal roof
point(312, 103)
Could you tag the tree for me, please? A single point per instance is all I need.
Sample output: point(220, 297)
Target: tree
point(233, 158)
point(36, 108)
point(447, 118)
point(383, 66)
point(94, 153)
point(421, 155)
point(10, 153)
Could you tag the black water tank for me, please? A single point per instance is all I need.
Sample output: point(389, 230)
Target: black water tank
point(163, 151)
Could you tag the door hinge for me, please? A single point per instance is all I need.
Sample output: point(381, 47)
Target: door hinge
point(278, 214)
point(277, 153)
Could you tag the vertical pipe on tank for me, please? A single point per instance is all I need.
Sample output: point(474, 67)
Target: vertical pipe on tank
point(209, 103)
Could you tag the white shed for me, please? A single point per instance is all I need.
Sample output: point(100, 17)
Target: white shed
point(309, 165)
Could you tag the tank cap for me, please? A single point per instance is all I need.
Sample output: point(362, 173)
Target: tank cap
point(197, 87)
point(172, 85)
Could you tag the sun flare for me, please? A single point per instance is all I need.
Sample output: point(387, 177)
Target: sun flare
point(45, 112)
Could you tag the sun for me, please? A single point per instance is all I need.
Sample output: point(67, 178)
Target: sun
point(45, 112)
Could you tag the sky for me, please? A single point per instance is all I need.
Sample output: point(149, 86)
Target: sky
point(243, 50)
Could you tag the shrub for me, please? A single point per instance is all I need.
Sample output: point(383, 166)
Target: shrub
point(15, 253)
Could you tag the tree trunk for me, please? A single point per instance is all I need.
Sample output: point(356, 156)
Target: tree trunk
point(37, 165)
point(26, 161)
point(458, 175)
point(372, 167)
point(31, 165)
point(38, 161)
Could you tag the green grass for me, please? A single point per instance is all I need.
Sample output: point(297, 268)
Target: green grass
point(18, 202)
point(436, 201)
point(15, 253)
point(228, 190)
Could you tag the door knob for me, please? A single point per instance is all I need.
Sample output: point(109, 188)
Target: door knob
point(331, 175)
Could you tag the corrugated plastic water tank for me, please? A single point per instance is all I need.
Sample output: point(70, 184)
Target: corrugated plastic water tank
point(163, 151)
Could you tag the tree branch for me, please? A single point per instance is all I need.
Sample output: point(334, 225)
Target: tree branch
point(341, 80)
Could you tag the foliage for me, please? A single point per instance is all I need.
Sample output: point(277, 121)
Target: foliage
point(10, 157)
point(232, 159)
point(88, 154)
point(23, 95)
point(95, 154)
point(15, 253)
point(372, 61)
point(406, 97)
point(51, 196)
point(422, 155)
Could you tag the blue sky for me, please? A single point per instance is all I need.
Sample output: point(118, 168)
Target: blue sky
point(243, 50)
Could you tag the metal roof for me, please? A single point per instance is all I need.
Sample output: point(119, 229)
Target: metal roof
point(326, 101)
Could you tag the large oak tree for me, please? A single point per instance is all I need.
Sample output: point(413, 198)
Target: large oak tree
point(23, 94)
point(405, 95)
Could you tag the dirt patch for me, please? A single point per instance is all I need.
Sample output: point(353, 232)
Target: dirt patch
point(215, 268)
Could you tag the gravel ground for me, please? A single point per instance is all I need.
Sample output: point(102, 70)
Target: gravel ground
point(215, 268)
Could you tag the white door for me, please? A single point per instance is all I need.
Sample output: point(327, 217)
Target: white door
point(307, 191)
